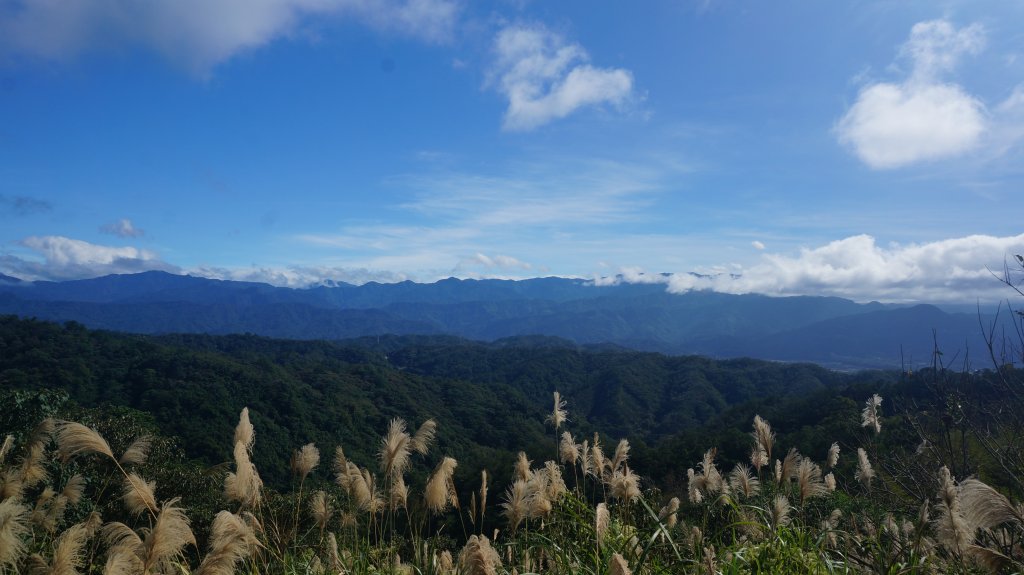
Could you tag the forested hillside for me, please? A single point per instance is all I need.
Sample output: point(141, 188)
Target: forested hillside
point(488, 398)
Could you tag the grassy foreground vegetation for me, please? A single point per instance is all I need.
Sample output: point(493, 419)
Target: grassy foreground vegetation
point(72, 501)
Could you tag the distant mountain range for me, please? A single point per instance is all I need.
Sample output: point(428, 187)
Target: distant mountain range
point(831, 331)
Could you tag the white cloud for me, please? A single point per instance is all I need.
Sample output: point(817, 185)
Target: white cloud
point(122, 228)
point(757, 245)
point(545, 78)
point(299, 276)
point(65, 258)
point(920, 119)
point(499, 262)
point(956, 269)
point(199, 34)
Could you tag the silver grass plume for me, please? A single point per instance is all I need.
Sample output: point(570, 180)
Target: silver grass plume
point(138, 495)
point(597, 459)
point(445, 562)
point(764, 436)
point(517, 504)
point(395, 450)
point(558, 414)
point(320, 509)
point(333, 557)
point(555, 484)
point(669, 513)
point(137, 452)
point(713, 482)
point(830, 482)
point(758, 457)
point(743, 482)
point(695, 483)
point(618, 565)
point(621, 455)
point(424, 437)
point(74, 439)
point(584, 458)
point(244, 431)
point(74, 487)
point(483, 493)
point(399, 494)
point(440, 490)
point(304, 460)
point(601, 520)
point(14, 527)
point(68, 551)
point(6, 447)
point(985, 508)
point(865, 473)
point(522, 467)
point(951, 527)
point(33, 466)
point(788, 469)
point(478, 557)
point(833, 455)
point(170, 534)
point(780, 511)
point(869, 417)
point(244, 484)
point(11, 484)
point(625, 485)
point(232, 541)
point(568, 449)
point(809, 481)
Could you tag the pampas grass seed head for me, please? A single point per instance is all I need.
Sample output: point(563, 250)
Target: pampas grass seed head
point(13, 528)
point(305, 460)
point(618, 565)
point(424, 437)
point(138, 495)
point(870, 417)
point(138, 451)
point(833, 455)
point(75, 439)
point(244, 431)
point(865, 473)
point(478, 557)
point(558, 414)
point(440, 489)
point(395, 449)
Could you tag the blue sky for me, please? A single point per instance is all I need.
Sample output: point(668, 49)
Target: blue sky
point(868, 149)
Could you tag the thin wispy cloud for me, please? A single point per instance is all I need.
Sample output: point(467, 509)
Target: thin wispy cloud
point(200, 34)
point(123, 228)
point(545, 78)
point(23, 206)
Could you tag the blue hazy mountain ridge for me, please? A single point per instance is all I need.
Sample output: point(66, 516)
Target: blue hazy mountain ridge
point(828, 330)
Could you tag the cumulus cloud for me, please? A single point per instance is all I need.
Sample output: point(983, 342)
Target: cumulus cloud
point(66, 258)
point(199, 34)
point(757, 245)
point(122, 228)
point(951, 270)
point(546, 78)
point(921, 118)
point(22, 205)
